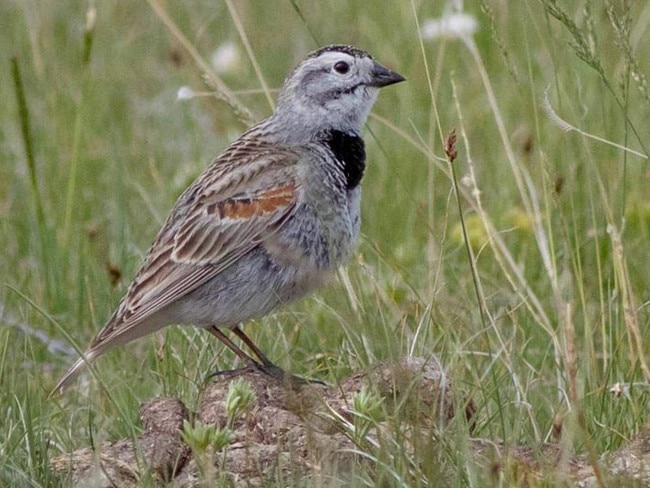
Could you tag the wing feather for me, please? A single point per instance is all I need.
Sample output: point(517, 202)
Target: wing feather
point(239, 201)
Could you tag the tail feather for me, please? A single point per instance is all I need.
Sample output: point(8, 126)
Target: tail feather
point(72, 373)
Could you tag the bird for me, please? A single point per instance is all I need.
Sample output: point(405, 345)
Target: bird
point(267, 221)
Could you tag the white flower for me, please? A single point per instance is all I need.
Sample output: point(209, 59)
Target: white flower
point(91, 18)
point(467, 181)
point(454, 25)
point(620, 389)
point(225, 57)
point(185, 93)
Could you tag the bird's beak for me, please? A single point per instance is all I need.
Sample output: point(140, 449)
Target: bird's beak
point(382, 76)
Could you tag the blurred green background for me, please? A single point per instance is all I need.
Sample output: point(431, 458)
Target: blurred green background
point(549, 311)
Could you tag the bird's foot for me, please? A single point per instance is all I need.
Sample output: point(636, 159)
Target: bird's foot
point(277, 373)
point(271, 370)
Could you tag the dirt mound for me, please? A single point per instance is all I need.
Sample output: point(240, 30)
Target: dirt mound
point(312, 434)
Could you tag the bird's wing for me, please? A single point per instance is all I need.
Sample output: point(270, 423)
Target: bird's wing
point(241, 199)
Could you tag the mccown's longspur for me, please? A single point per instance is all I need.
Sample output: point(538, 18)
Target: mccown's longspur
point(267, 221)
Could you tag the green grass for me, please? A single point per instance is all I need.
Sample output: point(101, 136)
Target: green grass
point(536, 318)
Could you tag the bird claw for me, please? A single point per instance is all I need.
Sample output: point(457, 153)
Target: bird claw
point(271, 370)
point(277, 373)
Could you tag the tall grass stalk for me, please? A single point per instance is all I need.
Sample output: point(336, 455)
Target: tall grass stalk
point(42, 232)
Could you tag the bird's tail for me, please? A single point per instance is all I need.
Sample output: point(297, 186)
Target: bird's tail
point(72, 373)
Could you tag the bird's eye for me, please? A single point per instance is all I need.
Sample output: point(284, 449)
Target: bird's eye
point(341, 67)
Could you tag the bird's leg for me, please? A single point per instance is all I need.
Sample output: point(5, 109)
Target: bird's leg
point(233, 347)
point(251, 345)
point(263, 363)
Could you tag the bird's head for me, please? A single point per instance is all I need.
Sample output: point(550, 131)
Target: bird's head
point(335, 87)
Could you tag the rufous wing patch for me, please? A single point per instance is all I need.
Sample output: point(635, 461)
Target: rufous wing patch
point(232, 225)
point(259, 205)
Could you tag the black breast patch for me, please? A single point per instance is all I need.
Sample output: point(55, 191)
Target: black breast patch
point(350, 152)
